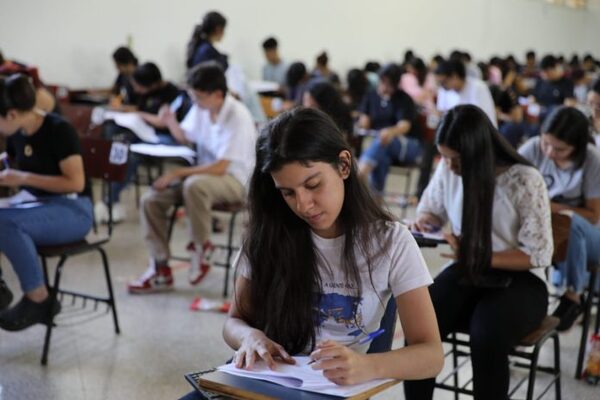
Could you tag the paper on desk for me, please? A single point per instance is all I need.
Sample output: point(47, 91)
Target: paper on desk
point(22, 196)
point(135, 123)
point(301, 376)
point(263, 86)
point(161, 150)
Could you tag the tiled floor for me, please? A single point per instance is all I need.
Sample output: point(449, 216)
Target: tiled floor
point(161, 338)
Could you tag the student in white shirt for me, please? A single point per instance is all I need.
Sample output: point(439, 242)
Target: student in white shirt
point(224, 133)
point(570, 165)
point(455, 88)
point(320, 261)
point(498, 209)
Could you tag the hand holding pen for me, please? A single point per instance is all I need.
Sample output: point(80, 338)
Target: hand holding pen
point(342, 365)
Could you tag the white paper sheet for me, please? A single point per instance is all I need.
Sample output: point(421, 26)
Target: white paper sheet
point(301, 376)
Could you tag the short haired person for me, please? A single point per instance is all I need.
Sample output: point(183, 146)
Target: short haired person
point(224, 133)
point(455, 88)
point(275, 69)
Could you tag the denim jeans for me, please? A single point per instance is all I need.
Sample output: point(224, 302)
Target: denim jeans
point(58, 220)
point(584, 248)
point(403, 149)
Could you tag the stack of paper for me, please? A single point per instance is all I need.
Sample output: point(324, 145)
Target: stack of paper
point(301, 376)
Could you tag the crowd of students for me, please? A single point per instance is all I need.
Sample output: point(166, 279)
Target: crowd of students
point(516, 144)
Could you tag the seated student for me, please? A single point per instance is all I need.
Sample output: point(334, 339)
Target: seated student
point(296, 79)
point(323, 96)
point(358, 86)
point(570, 165)
point(593, 102)
point(224, 134)
point(47, 162)
point(552, 88)
point(499, 213)
point(322, 70)
point(392, 112)
point(321, 239)
point(153, 93)
point(418, 83)
point(44, 100)
point(455, 87)
point(530, 69)
point(275, 68)
point(122, 89)
point(509, 114)
point(201, 47)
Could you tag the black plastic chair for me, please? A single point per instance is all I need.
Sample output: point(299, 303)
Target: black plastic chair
point(97, 163)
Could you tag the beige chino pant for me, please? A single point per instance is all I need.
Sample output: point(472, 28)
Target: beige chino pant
point(198, 193)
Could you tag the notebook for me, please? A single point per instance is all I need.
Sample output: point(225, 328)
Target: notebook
point(301, 377)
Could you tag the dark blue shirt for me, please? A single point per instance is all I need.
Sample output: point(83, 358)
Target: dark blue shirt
point(207, 52)
point(553, 93)
point(387, 113)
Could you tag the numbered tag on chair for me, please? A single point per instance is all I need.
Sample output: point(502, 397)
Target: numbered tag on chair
point(118, 153)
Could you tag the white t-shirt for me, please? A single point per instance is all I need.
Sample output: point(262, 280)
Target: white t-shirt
point(569, 186)
point(474, 92)
point(520, 216)
point(398, 271)
point(232, 137)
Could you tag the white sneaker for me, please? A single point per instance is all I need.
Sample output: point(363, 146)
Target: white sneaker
point(118, 212)
point(100, 212)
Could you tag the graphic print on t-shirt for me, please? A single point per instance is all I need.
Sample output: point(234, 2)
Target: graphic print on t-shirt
point(340, 308)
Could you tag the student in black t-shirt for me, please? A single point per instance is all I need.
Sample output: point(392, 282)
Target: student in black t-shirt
point(153, 93)
point(45, 160)
point(392, 112)
point(552, 88)
point(126, 63)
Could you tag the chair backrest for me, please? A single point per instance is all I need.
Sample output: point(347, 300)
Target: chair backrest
point(561, 227)
point(383, 342)
point(103, 159)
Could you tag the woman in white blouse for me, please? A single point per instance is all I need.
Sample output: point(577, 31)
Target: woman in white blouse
point(499, 213)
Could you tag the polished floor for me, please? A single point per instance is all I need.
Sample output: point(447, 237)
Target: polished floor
point(160, 340)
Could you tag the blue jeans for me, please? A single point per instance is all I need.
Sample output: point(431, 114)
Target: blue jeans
point(513, 132)
point(58, 221)
point(133, 164)
point(403, 149)
point(584, 248)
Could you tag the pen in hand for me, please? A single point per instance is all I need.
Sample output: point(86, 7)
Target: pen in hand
point(363, 340)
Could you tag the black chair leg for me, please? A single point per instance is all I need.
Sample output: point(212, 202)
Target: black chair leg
point(111, 297)
point(586, 323)
point(229, 252)
point(557, 384)
point(53, 296)
point(533, 370)
point(455, 365)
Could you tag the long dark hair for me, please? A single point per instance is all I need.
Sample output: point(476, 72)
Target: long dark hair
point(571, 126)
point(467, 130)
point(284, 273)
point(331, 103)
point(210, 23)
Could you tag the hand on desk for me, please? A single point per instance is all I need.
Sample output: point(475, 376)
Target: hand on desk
point(12, 177)
point(258, 346)
point(453, 242)
point(426, 222)
point(340, 364)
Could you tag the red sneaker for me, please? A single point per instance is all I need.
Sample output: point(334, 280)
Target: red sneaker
point(155, 279)
point(199, 263)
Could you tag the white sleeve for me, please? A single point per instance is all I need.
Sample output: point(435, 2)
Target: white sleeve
point(191, 124)
point(432, 200)
point(241, 265)
point(486, 102)
point(408, 270)
point(241, 136)
point(535, 229)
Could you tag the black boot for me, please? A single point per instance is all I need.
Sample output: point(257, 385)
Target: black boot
point(6, 295)
point(27, 313)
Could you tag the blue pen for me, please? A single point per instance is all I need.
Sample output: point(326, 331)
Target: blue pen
point(364, 340)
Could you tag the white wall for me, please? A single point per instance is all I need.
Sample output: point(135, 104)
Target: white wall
point(71, 40)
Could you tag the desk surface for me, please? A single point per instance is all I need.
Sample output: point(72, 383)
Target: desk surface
point(253, 389)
